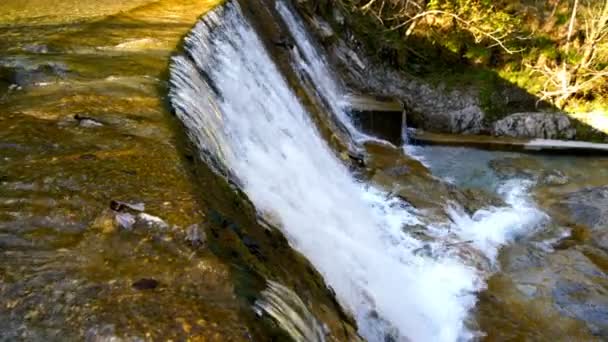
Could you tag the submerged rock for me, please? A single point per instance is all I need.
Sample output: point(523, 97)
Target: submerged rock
point(147, 221)
point(588, 206)
point(555, 177)
point(128, 216)
point(565, 286)
point(520, 167)
point(527, 168)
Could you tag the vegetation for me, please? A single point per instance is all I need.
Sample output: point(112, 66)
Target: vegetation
point(555, 49)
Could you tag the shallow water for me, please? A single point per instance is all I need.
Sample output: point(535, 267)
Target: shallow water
point(542, 289)
point(65, 274)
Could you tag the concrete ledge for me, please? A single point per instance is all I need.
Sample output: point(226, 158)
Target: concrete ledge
point(373, 103)
point(509, 144)
point(380, 117)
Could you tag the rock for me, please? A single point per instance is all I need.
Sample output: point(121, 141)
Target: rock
point(125, 221)
point(474, 199)
point(535, 125)
point(588, 207)
point(520, 167)
point(87, 122)
point(600, 239)
point(338, 16)
point(554, 177)
point(284, 43)
point(356, 159)
point(585, 302)
point(468, 120)
point(349, 57)
point(104, 333)
point(147, 221)
point(322, 28)
point(126, 216)
point(23, 73)
point(195, 236)
point(145, 284)
point(124, 206)
point(565, 283)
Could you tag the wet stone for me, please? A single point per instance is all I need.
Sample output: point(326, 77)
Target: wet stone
point(124, 206)
point(592, 310)
point(555, 177)
point(508, 168)
point(588, 206)
point(125, 221)
point(150, 222)
point(87, 122)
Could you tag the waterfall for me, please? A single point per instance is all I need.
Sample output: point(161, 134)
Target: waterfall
point(250, 126)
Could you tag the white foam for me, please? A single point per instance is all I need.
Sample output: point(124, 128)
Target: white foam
point(490, 228)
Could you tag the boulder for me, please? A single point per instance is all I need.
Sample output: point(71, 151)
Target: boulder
point(535, 125)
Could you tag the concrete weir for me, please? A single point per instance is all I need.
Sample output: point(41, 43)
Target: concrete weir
point(509, 144)
point(381, 117)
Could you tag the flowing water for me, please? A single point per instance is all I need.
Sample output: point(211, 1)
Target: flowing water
point(243, 115)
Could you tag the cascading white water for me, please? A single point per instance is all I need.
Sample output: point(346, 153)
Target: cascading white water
point(309, 59)
point(312, 62)
point(241, 113)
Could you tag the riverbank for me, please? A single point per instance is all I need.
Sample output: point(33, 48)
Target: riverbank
point(451, 83)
